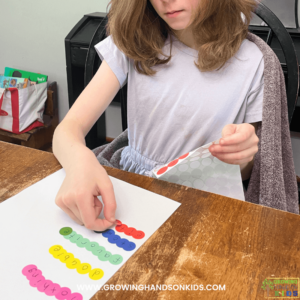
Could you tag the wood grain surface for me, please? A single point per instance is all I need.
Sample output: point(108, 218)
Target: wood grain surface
point(210, 239)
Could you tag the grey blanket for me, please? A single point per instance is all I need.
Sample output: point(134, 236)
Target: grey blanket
point(273, 179)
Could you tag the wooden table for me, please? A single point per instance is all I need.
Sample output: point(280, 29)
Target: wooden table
point(210, 239)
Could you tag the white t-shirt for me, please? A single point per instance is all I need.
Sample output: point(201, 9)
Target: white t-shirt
point(181, 108)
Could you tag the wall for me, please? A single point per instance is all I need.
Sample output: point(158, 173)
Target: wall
point(32, 38)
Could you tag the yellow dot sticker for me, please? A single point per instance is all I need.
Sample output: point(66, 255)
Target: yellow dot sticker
point(73, 264)
point(84, 268)
point(96, 274)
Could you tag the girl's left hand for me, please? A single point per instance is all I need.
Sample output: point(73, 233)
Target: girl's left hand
point(238, 144)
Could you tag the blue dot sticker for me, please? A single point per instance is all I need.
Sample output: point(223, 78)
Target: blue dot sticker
point(130, 246)
point(108, 233)
point(113, 239)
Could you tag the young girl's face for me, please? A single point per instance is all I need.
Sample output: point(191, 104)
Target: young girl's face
point(181, 18)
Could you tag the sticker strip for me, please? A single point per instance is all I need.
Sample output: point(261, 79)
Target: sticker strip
point(115, 239)
point(94, 247)
point(36, 279)
point(73, 263)
point(137, 234)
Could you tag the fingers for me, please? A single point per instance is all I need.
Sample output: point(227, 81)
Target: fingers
point(110, 205)
point(88, 215)
point(237, 158)
point(242, 133)
point(68, 212)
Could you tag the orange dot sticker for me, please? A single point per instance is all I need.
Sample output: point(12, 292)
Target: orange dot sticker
point(184, 155)
point(131, 231)
point(173, 163)
point(138, 234)
point(162, 170)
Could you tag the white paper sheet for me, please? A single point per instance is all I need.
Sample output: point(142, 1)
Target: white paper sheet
point(30, 223)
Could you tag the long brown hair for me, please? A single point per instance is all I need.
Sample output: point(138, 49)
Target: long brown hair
point(217, 26)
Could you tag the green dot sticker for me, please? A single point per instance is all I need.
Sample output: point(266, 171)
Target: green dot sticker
point(66, 231)
point(115, 259)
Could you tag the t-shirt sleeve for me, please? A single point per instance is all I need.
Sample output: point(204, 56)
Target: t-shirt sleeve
point(255, 96)
point(115, 58)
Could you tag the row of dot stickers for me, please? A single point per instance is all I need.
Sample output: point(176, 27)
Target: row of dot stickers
point(74, 263)
point(115, 239)
point(36, 279)
point(94, 247)
point(171, 164)
point(137, 234)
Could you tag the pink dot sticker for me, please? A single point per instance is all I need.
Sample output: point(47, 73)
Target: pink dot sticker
point(162, 170)
point(53, 290)
point(63, 294)
point(34, 274)
point(75, 296)
point(173, 163)
point(29, 269)
point(44, 286)
point(37, 280)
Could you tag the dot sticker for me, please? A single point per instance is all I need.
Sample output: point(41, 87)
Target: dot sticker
point(173, 163)
point(66, 257)
point(108, 233)
point(91, 246)
point(105, 256)
point(130, 231)
point(58, 252)
point(66, 231)
point(118, 222)
point(130, 246)
point(63, 294)
point(83, 243)
point(39, 279)
point(84, 268)
point(162, 170)
point(96, 274)
point(121, 228)
point(184, 156)
point(138, 234)
point(48, 287)
point(116, 259)
point(74, 263)
point(113, 239)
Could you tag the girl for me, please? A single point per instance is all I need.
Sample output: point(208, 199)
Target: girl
point(193, 78)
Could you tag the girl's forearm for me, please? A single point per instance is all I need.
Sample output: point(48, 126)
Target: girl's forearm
point(69, 144)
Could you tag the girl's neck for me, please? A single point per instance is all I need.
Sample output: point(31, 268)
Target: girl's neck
point(186, 39)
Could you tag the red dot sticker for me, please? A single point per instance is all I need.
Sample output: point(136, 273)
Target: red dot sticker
point(138, 234)
point(118, 222)
point(173, 163)
point(184, 155)
point(162, 170)
point(121, 228)
point(130, 231)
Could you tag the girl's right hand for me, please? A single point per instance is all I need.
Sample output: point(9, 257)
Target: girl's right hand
point(77, 196)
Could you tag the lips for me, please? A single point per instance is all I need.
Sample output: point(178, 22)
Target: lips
point(171, 12)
